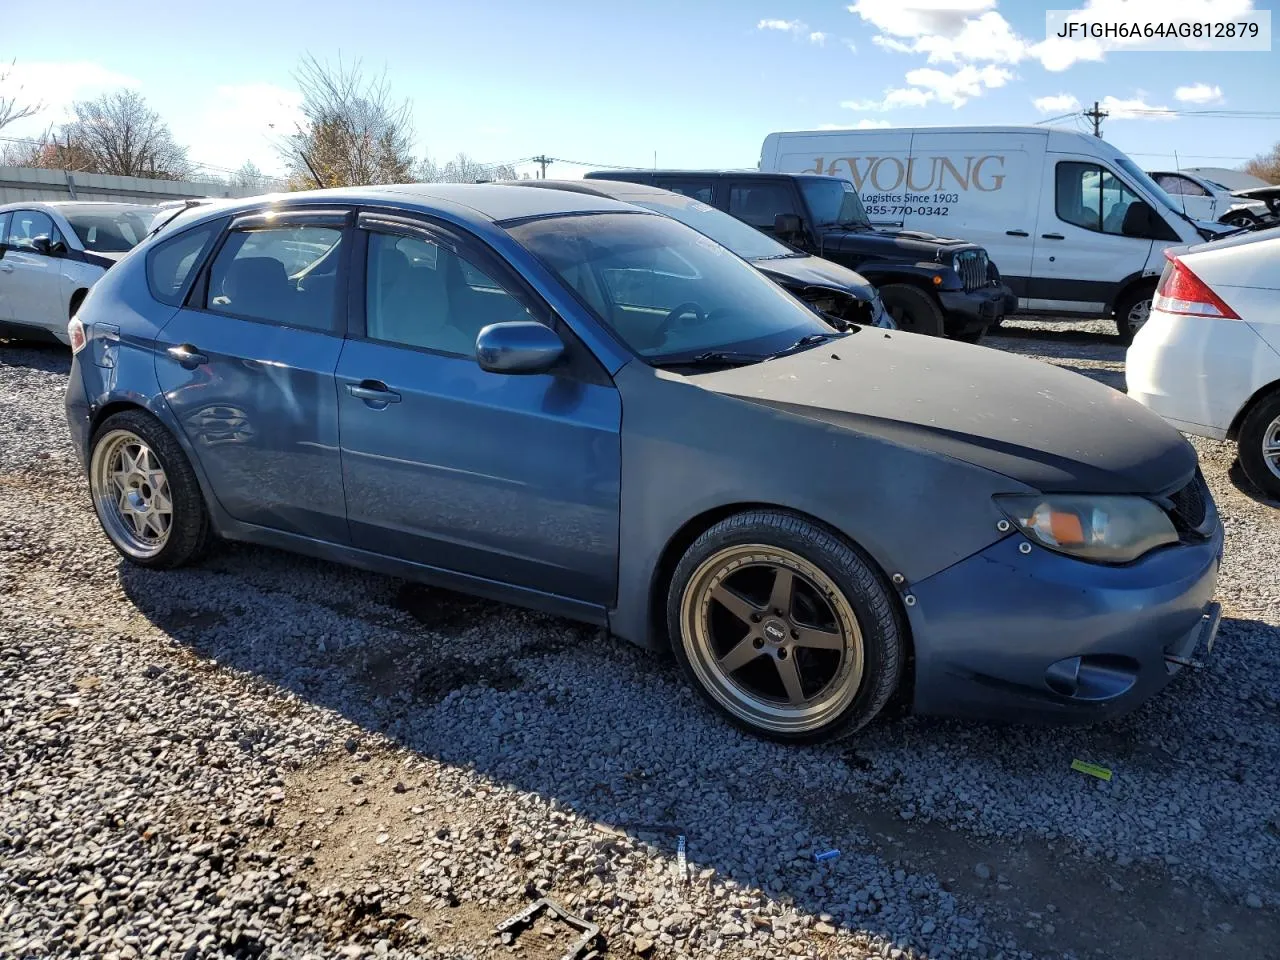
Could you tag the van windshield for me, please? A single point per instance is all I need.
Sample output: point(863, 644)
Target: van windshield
point(1144, 181)
point(834, 201)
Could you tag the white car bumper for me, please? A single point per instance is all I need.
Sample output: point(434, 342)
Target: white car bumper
point(1198, 372)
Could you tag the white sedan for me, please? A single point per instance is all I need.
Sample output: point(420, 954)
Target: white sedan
point(52, 253)
point(1208, 358)
point(1205, 199)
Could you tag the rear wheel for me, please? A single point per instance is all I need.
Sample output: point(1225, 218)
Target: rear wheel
point(785, 627)
point(1259, 446)
point(1132, 311)
point(1240, 218)
point(912, 309)
point(145, 492)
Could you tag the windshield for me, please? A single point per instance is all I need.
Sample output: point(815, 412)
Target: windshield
point(744, 240)
point(111, 230)
point(1144, 181)
point(834, 201)
point(668, 292)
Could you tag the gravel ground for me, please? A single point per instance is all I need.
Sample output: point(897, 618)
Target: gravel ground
point(272, 756)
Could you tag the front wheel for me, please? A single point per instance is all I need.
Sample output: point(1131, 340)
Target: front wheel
point(912, 309)
point(785, 627)
point(1133, 311)
point(1259, 446)
point(145, 493)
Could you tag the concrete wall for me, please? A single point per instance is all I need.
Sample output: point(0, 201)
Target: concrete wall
point(31, 183)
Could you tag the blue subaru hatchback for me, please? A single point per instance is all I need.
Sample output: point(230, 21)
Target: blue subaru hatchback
point(564, 401)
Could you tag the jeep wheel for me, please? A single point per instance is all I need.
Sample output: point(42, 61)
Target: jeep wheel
point(913, 310)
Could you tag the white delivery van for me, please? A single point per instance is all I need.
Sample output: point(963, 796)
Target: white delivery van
point(1074, 225)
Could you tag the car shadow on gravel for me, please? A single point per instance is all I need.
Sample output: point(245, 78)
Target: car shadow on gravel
point(613, 734)
point(35, 355)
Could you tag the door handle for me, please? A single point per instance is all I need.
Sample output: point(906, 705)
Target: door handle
point(1052, 236)
point(1017, 233)
point(373, 392)
point(188, 357)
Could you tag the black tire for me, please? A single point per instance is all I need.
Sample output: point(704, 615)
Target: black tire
point(189, 532)
point(1262, 424)
point(826, 559)
point(1129, 316)
point(1239, 218)
point(913, 310)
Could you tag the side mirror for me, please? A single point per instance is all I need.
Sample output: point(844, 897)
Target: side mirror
point(58, 248)
point(1141, 221)
point(787, 224)
point(41, 245)
point(519, 346)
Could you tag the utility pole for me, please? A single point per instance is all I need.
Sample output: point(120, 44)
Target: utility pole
point(543, 160)
point(1096, 115)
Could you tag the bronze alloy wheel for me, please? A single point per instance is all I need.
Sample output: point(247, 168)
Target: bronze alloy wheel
point(771, 638)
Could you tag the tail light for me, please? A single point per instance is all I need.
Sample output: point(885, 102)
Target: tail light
point(76, 334)
point(1181, 291)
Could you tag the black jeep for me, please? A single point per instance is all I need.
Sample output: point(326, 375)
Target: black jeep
point(928, 284)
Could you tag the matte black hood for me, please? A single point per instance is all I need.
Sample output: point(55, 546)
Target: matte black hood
point(896, 243)
point(814, 271)
point(1033, 422)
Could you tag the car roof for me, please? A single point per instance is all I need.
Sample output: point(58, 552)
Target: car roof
point(746, 174)
point(625, 190)
point(497, 202)
point(71, 206)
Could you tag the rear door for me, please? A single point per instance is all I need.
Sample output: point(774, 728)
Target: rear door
point(759, 201)
point(1195, 200)
point(699, 188)
point(33, 278)
point(1081, 253)
point(247, 366)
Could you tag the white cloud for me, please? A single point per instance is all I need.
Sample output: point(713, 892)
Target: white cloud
point(785, 26)
point(918, 18)
point(988, 37)
point(818, 37)
point(853, 47)
point(1061, 103)
point(927, 85)
point(863, 124)
point(55, 86)
point(239, 123)
point(1198, 93)
point(1135, 109)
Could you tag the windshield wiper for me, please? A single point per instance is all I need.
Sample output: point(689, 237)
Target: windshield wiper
point(713, 358)
point(812, 340)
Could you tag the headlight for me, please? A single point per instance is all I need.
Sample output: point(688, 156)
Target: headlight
point(1101, 529)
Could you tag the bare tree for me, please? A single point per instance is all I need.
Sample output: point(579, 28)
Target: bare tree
point(117, 134)
point(12, 107)
point(1266, 166)
point(462, 169)
point(249, 175)
point(353, 132)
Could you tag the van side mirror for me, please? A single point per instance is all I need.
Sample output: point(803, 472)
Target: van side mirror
point(787, 224)
point(41, 245)
point(518, 346)
point(1141, 221)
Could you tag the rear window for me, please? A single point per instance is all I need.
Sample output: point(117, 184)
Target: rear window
point(171, 264)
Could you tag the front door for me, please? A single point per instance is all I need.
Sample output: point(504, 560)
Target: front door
point(247, 367)
point(33, 279)
point(511, 478)
point(1081, 253)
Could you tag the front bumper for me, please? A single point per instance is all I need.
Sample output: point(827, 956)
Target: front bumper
point(968, 310)
point(997, 636)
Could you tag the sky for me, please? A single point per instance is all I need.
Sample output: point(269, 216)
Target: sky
point(685, 83)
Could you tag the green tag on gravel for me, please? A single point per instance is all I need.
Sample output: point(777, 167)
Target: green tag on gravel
point(1092, 769)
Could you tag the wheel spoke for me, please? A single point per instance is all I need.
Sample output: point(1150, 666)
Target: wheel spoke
point(789, 674)
point(160, 501)
point(743, 653)
point(783, 585)
point(740, 608)
point(818, 639)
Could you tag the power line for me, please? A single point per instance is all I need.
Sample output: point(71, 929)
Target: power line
point(1097, 115)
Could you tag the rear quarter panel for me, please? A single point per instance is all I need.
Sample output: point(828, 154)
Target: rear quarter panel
point(1247, 276)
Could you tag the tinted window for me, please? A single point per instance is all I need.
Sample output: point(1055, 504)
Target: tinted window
point(110, 230)
point(668, 291)
point(286, 275)
point(4, 226)
point(758, 203)
point(422, 294)
point(27, 225)
point(833, 201)
point(171, 264)
point(742, 239)
point(1092, 197)
point(698, 189)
